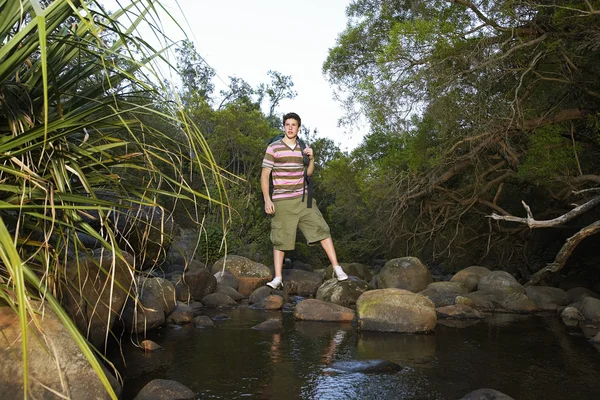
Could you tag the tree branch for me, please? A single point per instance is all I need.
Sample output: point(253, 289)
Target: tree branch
point(532, 223)
point(564, 253)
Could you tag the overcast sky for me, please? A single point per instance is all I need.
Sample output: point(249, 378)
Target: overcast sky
point(246, 39)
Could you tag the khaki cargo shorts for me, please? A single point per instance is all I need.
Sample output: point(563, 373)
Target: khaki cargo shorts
point(292, 214)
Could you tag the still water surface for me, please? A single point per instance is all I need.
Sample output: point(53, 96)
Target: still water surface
point(526, 357)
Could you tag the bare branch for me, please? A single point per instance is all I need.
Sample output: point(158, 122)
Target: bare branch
point(532, 223)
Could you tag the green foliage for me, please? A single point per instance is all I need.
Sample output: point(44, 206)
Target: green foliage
point(85, 136)
point(550, 154)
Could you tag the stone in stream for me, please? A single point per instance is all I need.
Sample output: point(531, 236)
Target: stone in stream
point(486, 394)
point(149, 345)
point(165, 389)
point(269, 325)
point(366, 366)
point(203, 321)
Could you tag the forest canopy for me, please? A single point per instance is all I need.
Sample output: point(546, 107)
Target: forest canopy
point(473, 107)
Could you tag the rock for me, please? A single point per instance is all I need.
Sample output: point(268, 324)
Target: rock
point(143, 315)
point(486, 394)
point(496, 300)
point(361, 271)
point(226, 278)
point(149, 345)
point(260, 294)
point(590, 308)
point(229, 291)
point(578, 293)
point(162, 290)
point(272, 302)
point(500, 281)
point(485, 300)
point(571, 313)
point(518, 303)
point(200, 282)
point(406, 273)
point(458, 311)
point(464, 300)
point(89, 288)
point(596, 339)
point(220, 317)
point(444, 293)
point(302, 283)
point(366, 366)
point(183, 246)
point(203, 321)
point(250, 275)
point(144, 231)
point(547, 298)
point(182, 314)
point(164, 389)
point(344, 293)
point(218, 300)
point(470, 277)
point(458, 323)
point(395, 310)
point(269, 325)
point(61, 368)
point(318, 310)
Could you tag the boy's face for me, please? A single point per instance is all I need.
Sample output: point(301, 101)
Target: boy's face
point(291, 128)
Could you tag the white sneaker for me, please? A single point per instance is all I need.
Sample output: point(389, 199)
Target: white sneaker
point(275, 283)
point(339, 273)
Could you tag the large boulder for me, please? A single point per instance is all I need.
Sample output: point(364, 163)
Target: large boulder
point(300, 282)
point(444, 293)
point(57, 367)
point(470, 276)
point(162, 290)
point(406, 273)
point(201, 282)
point(458, 311)
point(250, 274)
point(546, 297)
point(500, 281)
point(94, 291)
point(344, 293)
point(590, 308)
point(183, 247)
point(395, 310)
point(578, 293)
point(259, 296)
point(143, 314)
point(318, 310)
point(498, 301)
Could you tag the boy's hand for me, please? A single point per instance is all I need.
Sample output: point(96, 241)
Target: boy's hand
point(309, 152)
point(269, 207)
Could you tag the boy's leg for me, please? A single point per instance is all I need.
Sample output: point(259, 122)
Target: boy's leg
point(327, 245)
point(278, 256)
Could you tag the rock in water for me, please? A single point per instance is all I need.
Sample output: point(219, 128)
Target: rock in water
point(486, 394)
point(149, 345)
point(366, 366)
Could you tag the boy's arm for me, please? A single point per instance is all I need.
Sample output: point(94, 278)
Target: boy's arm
point(265, 175)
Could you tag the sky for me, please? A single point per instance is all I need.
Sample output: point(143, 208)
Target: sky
point(246, 39)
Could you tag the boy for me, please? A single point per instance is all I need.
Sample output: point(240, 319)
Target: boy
point(284, 159)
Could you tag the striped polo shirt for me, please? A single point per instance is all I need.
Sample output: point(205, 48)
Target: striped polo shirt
point(287, 170)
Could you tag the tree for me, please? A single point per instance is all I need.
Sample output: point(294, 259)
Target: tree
point(493, 99)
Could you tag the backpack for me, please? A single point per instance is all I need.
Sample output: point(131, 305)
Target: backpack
point(308, 186)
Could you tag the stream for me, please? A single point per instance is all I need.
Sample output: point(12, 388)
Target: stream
point(523, 356)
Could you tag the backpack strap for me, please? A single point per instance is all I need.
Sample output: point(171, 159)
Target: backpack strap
point(307, 188)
